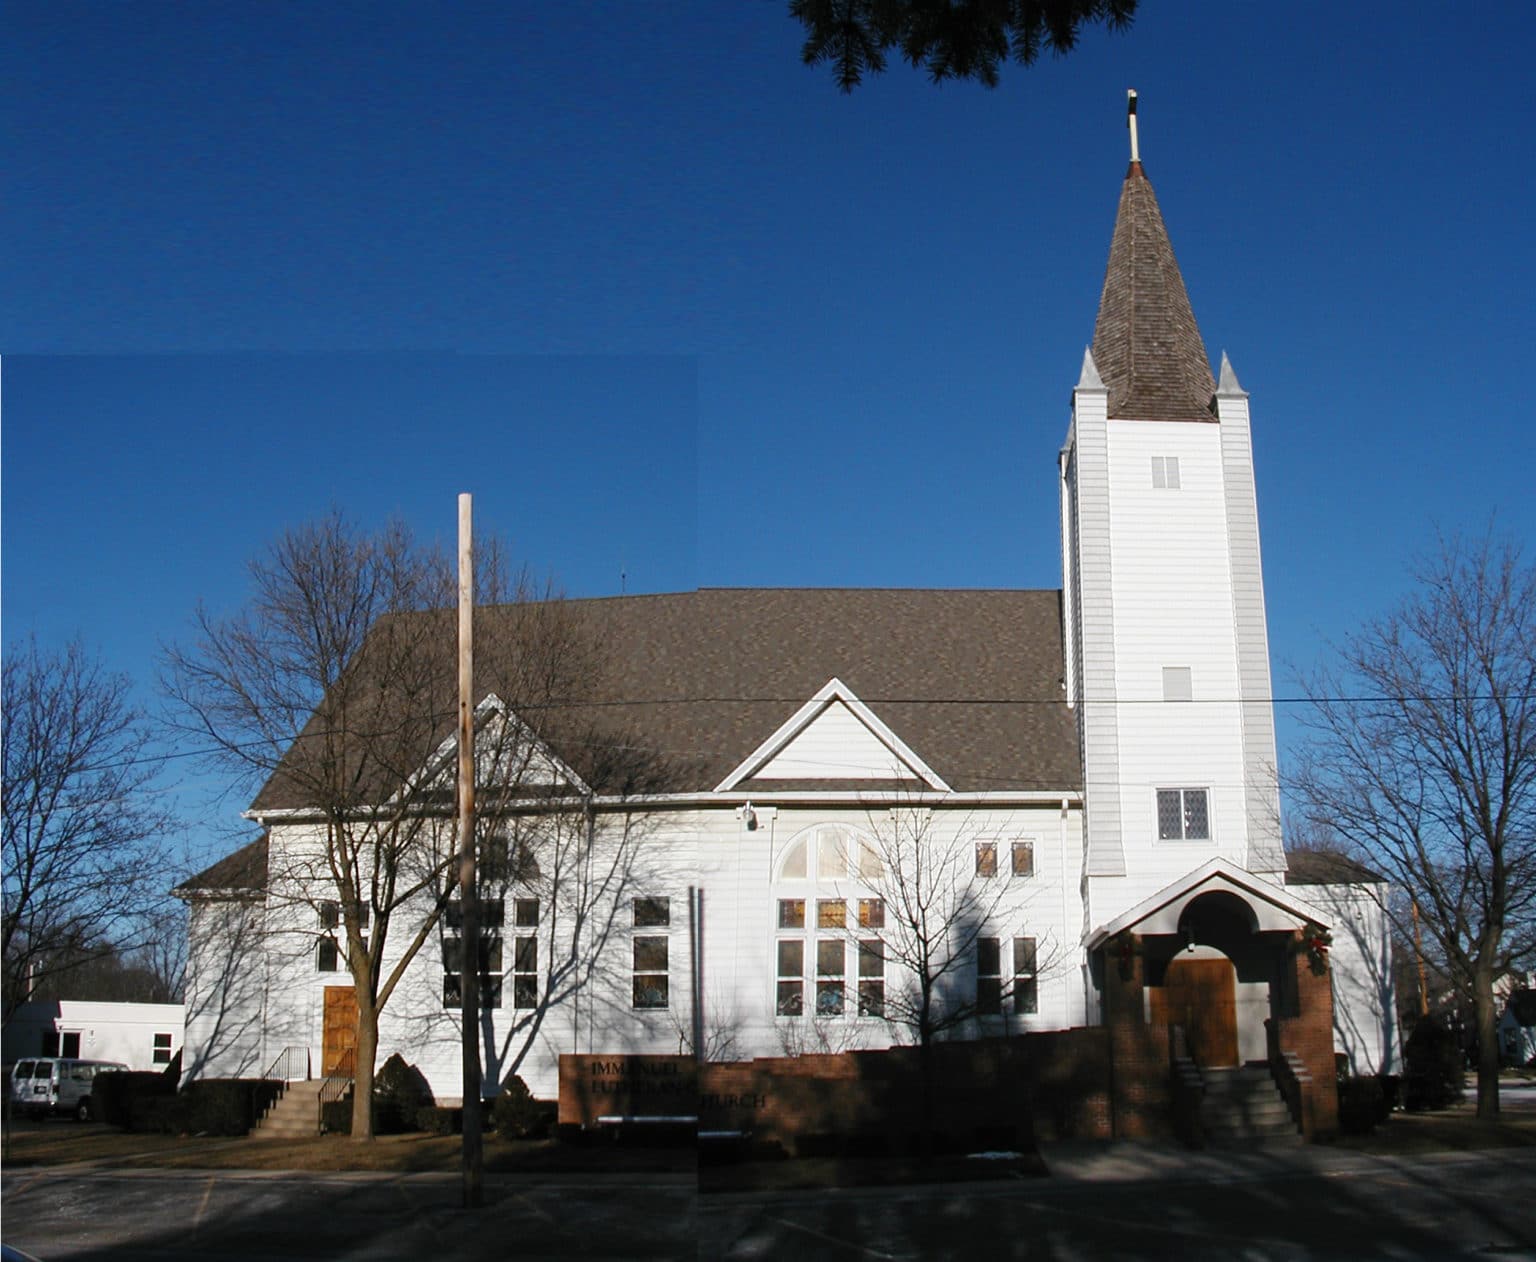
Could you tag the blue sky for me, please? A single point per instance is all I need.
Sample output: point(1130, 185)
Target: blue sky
point(673, 308)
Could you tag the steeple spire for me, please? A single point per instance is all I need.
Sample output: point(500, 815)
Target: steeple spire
point(1146, 343)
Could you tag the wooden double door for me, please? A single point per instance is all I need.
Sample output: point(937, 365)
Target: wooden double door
point(1201, 996)
point(338, 1039)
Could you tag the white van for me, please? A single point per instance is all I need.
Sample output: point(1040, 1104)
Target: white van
point(46, 1084)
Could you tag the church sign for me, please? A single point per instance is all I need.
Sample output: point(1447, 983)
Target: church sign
point(606, 1088)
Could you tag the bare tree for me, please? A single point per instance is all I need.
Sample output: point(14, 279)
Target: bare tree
point(81, 817)
point(335, 689)
point(1424, 761)
point(945, 890)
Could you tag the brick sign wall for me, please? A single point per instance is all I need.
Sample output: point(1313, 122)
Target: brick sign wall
point(593, 1087)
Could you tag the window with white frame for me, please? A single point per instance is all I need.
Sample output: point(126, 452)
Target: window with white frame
point(651, 978)
point(1023, 853)
point(488, 953)
point(649, 954)
point(871, 977)
point(989, 976)
point(162, 1049)
point(986, 858)
point(1165, 473)
point(829, 961)
point(1183, 815)
point(1026, 996)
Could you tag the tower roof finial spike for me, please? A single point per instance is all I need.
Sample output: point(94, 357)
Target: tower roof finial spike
point(1130, 121)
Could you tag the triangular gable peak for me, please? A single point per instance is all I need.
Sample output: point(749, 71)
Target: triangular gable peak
point(507, 751)
point(1274, 907)
point(835, 737)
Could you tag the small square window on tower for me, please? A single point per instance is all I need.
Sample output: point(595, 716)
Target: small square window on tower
point(1178, 684)
point(1165, 473)
point(1183, 815)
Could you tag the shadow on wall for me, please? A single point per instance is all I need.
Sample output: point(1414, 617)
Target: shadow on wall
point(225, 992)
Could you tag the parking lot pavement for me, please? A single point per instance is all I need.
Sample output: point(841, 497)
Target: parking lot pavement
point(1120, 1201)
point(1256, 1208)
point(137, 1216)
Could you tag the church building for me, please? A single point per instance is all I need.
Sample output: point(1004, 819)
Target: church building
point(878, 816)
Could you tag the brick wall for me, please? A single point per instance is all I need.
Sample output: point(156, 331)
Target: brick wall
point(1141, 1093)
point(1307, 1032)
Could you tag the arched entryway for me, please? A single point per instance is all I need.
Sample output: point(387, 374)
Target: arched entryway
point(1199, 993)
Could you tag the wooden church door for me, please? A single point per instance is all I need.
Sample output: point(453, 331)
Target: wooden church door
point(1201, 996)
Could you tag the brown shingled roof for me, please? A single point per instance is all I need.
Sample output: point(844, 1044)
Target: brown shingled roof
point(245, 870)
point(1146, 344)
point(970, 680)
point(1324, 867)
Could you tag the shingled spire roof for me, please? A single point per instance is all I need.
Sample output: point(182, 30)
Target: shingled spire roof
point(1146, 343)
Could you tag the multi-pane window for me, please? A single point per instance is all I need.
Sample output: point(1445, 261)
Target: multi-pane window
point(162, 1049)
point(871, 977)
point(489, 968)
point(986, 858)
point(1023, 858)
point(1165, 473)
point(789, 1000)
point(525, 970)
point(650, 972)
point(989, 976)
point(828, 960)
point(1183, 815)
point(1026, 998)
point(489, 958)
point(327, 955)
point(830, 972)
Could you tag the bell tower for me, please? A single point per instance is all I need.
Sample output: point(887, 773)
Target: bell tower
point(1167, 650)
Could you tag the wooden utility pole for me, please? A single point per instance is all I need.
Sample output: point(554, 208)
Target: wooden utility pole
point(469, 939)
point(1418, 953)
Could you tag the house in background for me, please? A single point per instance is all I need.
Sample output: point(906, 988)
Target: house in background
point(1517, 1028)
point(139, 1035)
point(1091, 769)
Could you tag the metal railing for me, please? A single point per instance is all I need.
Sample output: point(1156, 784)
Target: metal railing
point(339, 1080)
point(291, 1065)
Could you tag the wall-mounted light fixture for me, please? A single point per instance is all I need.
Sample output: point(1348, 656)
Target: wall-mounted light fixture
point(748, 816)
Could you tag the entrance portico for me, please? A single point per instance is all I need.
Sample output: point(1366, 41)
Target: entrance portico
point(1238, 967)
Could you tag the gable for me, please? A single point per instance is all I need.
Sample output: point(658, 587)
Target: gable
point(833, 737)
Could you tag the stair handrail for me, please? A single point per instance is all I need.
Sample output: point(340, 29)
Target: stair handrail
point(288, 1060)
point(339, 1080)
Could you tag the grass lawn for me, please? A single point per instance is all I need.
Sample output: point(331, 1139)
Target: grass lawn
point(62, 1143)
point(1457, 1129)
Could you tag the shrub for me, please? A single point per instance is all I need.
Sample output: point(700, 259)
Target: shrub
point(436, 1120)
point(1363, 1105)
point(517, 1115)
point(336, 1116)
point(208, 1106)
point(1434, 1060)
point(399, 1091)
point(113, 1094)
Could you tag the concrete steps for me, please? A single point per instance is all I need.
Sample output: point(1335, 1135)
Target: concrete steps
point(1243, 1107)
point(295, 1116)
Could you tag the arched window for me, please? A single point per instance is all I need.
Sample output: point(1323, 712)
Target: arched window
point(829, 952)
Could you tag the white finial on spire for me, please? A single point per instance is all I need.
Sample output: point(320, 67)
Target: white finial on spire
point(1130, 121)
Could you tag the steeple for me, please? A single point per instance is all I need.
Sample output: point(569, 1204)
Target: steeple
point(1146, 343)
